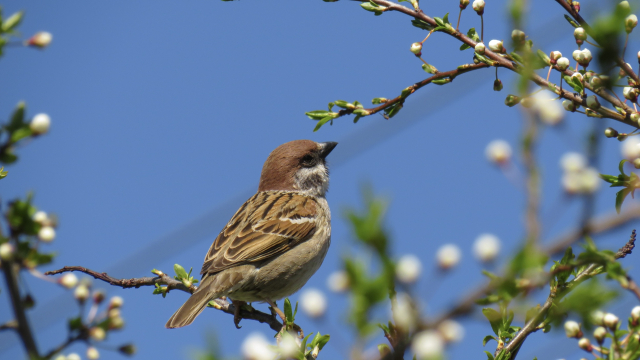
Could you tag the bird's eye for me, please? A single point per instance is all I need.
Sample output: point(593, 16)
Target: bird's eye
point(308, 161)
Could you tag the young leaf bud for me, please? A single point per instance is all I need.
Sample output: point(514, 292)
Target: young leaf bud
point(408, 269)
point(81, 293)
point(518, 36)
point(6, 251)
point(40, 40)
point(610, 132)
point(635, 313)
point(128, 349)
point(46, 234)
point(486, 247)
point(464, 4)
point(630, 23)
point(554, 56)
point(313, 303)
point(498, 152)
point(97, 333)
point(585, 345)
point(562, 64)
point(599, 334)
point(569, 105)
point(497, 85)
point(68, 280)
point(511, 100)
point(580, 35)
point(40, 124)
point(496, 46)
point(92, 353)
point(448, 256)
point(428, 344)
point(572, 329)
point(338, 281)
point(416, 48)
point(451, 331)
point(610, 321)
point(592, 102)
point(478, 6)
point(480, 49)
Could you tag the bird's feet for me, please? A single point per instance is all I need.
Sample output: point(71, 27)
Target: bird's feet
point(236, 313)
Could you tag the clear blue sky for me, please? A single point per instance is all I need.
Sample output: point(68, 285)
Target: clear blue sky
point(164, 111)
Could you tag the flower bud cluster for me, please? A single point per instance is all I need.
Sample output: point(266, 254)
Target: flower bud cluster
point(583, 57)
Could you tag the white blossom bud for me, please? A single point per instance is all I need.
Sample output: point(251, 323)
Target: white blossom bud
point(585, 57)
point(6, 251)
point(486, 247)
point(576, 76)
point(610, 132)
point(97, 333)
point(630, 93)
point(408, 269)
point(554, 56)
point(40, 124)
point(599, 334)
point(114, 313)
point(571, 182)
point(576, 55)
point(597, 317)
point(338, 281)
point(289, 347)
point(580, 34)
point(496, 46)
point(416, 48)
point(622, 73)
point(427, 344)
point(404, 313)
point(635, 117)
point(518, 36)
point(569, 105)
point(68, 280)
point(572, 329)
point(313, 302)
point(589, 180)
point(562, 64)
point(635, 313)
point(585, 344)
point(593, 103)
point(478, 6)
point(116, 323)
point(81, 293)
point(630, 148)
point(573, 162)
point(73, 356)
point(40, 217)
point(451, 331)
point(92, 353)
point(630, 23)
point(480, 48)
point(610, 321)
point(498, 152)
point(448, 256)
point(47, 234)
point(41, 39)
point(115, 302)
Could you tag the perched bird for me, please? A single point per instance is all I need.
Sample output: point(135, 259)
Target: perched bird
point(276, 240)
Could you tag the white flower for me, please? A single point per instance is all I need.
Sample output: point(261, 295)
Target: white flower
point(416, 48)
point(404, 313)
point(486, 247)
point(40, 124)
point(448, 256)
point(115, 302)
point(313, 302)
point(47, 234)
point(630, 148)
point(572, 329)
point(40, 217)
point(498, 152)
point(408, 268)
point(451, 331)
point(480, 48)
point(68, 280)
point(573, 162)
point(81, 293)
point(92, 353)
point(635, 313)
point(610, 321)
point(256, 347)
point(496, 46)
point(289, 347)
point(600, 333)
point(589, 180)
point(562, 63)
point(338, 281)
point(427, 344)
point(73, 356)
point(6, 251)
point(571, 182)
point(549, 111)
point(41, 39)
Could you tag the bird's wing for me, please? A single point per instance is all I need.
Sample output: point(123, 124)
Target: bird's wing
point(268, 224)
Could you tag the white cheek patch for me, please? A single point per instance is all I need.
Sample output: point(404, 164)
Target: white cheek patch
point(314, 180)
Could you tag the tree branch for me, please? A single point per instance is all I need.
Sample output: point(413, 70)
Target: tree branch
point(274, 322)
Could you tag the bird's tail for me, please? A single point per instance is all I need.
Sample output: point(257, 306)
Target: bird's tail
point(193, 306)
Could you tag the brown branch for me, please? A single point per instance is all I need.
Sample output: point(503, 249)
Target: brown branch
point(24, 329)
point(269, 319)
point(9, 325)
point(619, 61)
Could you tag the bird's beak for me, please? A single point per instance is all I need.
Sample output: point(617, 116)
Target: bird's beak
point(326, 148)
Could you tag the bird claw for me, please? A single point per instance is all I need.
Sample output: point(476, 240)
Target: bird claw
point(236, 313)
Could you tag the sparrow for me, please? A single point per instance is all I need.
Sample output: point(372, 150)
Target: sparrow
point(277, 239)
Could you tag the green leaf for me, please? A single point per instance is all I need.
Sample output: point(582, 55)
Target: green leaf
point(494, 318)
point(489, 355)
point(341, 103)
point(620, 196)
point(322, 122)
point(621, 166)
point(609, 178)
point(464, 47)
point(17, 118)
point(181, 274)
point(543, 56)
point(420, 24)
point(288, 313)
point(3, 173)
point(571, 21)
point(75, 323)
point(487, 338)
point(21, 133)
point(445, 19)
point(14, 20)
point(317, 114)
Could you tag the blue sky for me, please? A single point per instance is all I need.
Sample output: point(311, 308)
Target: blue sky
point(163, 113)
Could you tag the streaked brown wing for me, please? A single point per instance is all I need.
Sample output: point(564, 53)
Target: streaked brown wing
point(268, 224)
